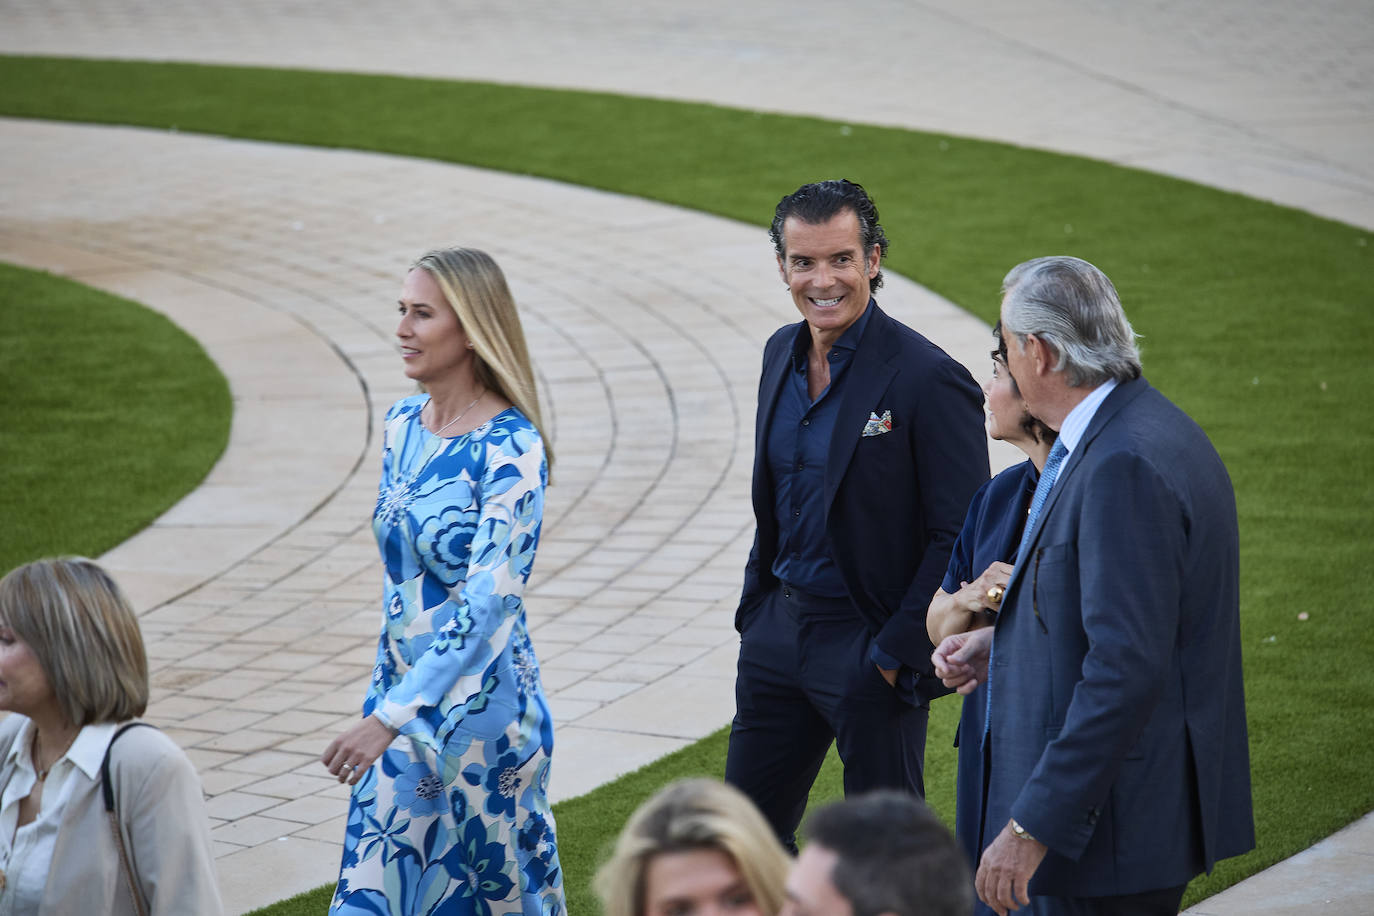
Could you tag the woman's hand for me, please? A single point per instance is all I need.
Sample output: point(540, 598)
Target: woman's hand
point(349, 755)
point(963, 611)
point(987, 590)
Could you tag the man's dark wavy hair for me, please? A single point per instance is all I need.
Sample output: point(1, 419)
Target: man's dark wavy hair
point(893, 856)
point(819, 201)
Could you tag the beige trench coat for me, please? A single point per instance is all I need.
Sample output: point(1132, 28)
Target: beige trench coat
point(163, 822)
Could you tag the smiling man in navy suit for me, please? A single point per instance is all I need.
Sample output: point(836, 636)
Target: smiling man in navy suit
point(1119, 766)
point(869, 445)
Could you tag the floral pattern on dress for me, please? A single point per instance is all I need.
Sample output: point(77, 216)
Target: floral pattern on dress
point(454, 817)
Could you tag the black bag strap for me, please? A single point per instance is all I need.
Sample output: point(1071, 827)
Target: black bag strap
point(107, 787)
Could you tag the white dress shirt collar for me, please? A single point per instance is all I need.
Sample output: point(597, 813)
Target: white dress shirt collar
point(1076, 423)
point(26, 852)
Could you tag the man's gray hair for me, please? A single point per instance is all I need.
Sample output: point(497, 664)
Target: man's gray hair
point(1073, 307)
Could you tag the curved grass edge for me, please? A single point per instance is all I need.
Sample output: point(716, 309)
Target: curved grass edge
point(111, 414)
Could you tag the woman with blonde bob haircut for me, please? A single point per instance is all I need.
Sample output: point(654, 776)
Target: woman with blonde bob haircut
point(696, 846)
point(450, 761)
point(73, 670)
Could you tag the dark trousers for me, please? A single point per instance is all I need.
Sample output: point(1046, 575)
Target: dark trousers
point(1162, 902)
point(805, 679)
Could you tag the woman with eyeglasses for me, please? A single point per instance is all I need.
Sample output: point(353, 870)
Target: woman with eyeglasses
point(980, 567)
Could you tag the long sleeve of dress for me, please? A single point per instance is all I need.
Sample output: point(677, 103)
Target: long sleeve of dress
point(474, 627)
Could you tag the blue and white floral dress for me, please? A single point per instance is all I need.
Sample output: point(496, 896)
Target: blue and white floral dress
point(454, 817)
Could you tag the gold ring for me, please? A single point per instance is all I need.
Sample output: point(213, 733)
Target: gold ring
point(995, 593)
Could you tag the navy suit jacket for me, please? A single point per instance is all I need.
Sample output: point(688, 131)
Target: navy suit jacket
point(894, 502)
point(1117, 715)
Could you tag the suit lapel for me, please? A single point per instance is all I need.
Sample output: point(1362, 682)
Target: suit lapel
point(1122, 395)
point(869, 373)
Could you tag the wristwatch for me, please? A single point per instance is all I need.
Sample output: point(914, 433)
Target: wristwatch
point(1021, 833)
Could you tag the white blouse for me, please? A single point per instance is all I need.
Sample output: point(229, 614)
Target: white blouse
point(26, 852)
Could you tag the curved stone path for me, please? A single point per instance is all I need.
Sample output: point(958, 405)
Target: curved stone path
point(259, 590)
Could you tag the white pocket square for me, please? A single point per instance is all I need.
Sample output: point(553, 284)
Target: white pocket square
point(877, 425)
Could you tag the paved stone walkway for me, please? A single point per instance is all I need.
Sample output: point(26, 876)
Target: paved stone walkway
point(259, 592)
point(260, 589)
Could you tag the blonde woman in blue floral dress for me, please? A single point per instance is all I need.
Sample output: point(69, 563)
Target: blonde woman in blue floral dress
point(449, 767)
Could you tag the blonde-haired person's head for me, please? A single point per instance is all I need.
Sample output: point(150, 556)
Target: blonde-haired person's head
point(86, 637)
point(686, 816)
point(476, 289)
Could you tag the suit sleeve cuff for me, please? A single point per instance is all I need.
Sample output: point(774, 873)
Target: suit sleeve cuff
point(882, 659)
point(1067, 833)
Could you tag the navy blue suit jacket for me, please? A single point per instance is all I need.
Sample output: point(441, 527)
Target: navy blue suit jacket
point(894, 502)
point(1117, 716)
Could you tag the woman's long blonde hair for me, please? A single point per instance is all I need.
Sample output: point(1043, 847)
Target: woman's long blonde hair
point(476, 289)
point(687, 815)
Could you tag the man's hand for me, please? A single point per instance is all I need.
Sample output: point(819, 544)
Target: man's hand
point(961, 660)
point(889, 675)
point(1005, 870)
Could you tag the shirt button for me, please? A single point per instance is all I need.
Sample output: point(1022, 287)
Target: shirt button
point(796, 513)
point(806, 422)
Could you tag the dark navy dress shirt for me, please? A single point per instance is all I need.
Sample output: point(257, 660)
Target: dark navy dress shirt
point(798, 443)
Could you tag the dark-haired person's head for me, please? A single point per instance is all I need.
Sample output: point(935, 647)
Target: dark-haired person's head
point(1032, 427)
point(877, 854)
point(820, 202)
point(830, 248)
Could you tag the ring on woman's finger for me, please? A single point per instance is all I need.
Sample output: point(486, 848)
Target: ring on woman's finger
point(995, 593)
point(346, 767)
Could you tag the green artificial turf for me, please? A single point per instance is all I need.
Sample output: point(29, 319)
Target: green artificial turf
point(110, 414)
point(1256, 319)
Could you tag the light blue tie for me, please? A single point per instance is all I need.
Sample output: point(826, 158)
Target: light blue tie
point(1042, 493)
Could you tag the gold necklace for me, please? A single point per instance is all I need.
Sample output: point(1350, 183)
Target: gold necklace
point(42, 774)
point(401, 493)
point(460, 415)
